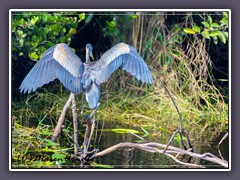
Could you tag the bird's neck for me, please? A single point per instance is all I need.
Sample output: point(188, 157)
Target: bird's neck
point(87, 57)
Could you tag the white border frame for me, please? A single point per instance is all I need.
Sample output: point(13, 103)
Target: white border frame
point(116, 10)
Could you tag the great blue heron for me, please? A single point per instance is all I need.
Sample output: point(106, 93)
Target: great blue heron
point(60, 62)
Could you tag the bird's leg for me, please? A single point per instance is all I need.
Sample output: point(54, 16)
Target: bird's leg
point(89, 129)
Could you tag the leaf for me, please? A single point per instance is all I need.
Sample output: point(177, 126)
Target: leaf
point(196, 29)
point(222, 37)
point(176, 28)
point(160, 37)
point(215, 40)
point(82, 16)
point(112, 24)
point(210, 20)
point(45, 18)
point(73, 31)
point(63, 39)
point(59, 158)
point(55, 27)
point(205, 34)
point(214, 33)
point(189, 31)
point(168, 59)
point(89, 18)
point(46, 133)
point(176, 53)
point(50, 143)
point(226, 34)
point(216, 25)
point(224, 21)
point(132, 16)
point(123, 131)
point(46, 30)
point(33, 55)
point(225, 14)
point(206, 24)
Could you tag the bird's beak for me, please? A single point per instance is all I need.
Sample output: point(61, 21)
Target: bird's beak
point(91, 55)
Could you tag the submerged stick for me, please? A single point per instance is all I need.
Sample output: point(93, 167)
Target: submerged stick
point(58, 127)
point(75, 124)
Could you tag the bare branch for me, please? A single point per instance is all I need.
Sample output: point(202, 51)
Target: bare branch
point(155, 148)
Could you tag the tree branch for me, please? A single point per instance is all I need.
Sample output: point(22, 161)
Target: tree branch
point(170, 152)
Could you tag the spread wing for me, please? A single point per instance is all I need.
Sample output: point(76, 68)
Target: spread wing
point(58, 62)
point(120, 56)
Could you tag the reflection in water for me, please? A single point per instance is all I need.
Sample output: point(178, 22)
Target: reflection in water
point(134, 158)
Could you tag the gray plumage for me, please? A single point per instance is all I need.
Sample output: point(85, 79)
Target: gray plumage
point(60, 62)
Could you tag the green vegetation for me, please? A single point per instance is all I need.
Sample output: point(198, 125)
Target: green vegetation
point(178, 50)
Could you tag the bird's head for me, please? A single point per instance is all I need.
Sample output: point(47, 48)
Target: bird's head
point(89, 53)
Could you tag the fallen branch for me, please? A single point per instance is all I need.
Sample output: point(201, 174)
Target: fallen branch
point(58, 127)
point(170, 152)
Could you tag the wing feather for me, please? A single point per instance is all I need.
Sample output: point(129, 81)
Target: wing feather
point(58, 62)
point(120, 56)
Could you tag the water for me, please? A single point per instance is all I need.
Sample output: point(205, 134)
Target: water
point(135, 158)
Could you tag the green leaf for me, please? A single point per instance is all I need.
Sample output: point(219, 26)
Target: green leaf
point(205, 34)
point(206, 24)
point(224, 21)
point(46, 30)
point(55, 27)
point(225, 14)
point(226, 34)
point(196, 29)
point(160, 37)
point(189, 31)
point(215, 40)
point(176, 28)
point(125, 131)
point(73, 31)
point(89, 18)
point(112, 24)
point(210, 20)
point(46, 133)
point(222, 37)
point(21, 22)
point(64, 30)
point(176, 53)
point(45, 18)
point(63, 39)
point(58, 156)
point(216, 25)
point(82, 16)
point(50, 143)
point(73, 50)
point(214, 33)
point(132, 16)
point(33, 55)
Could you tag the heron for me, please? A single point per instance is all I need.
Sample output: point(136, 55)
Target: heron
point(60, 62)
